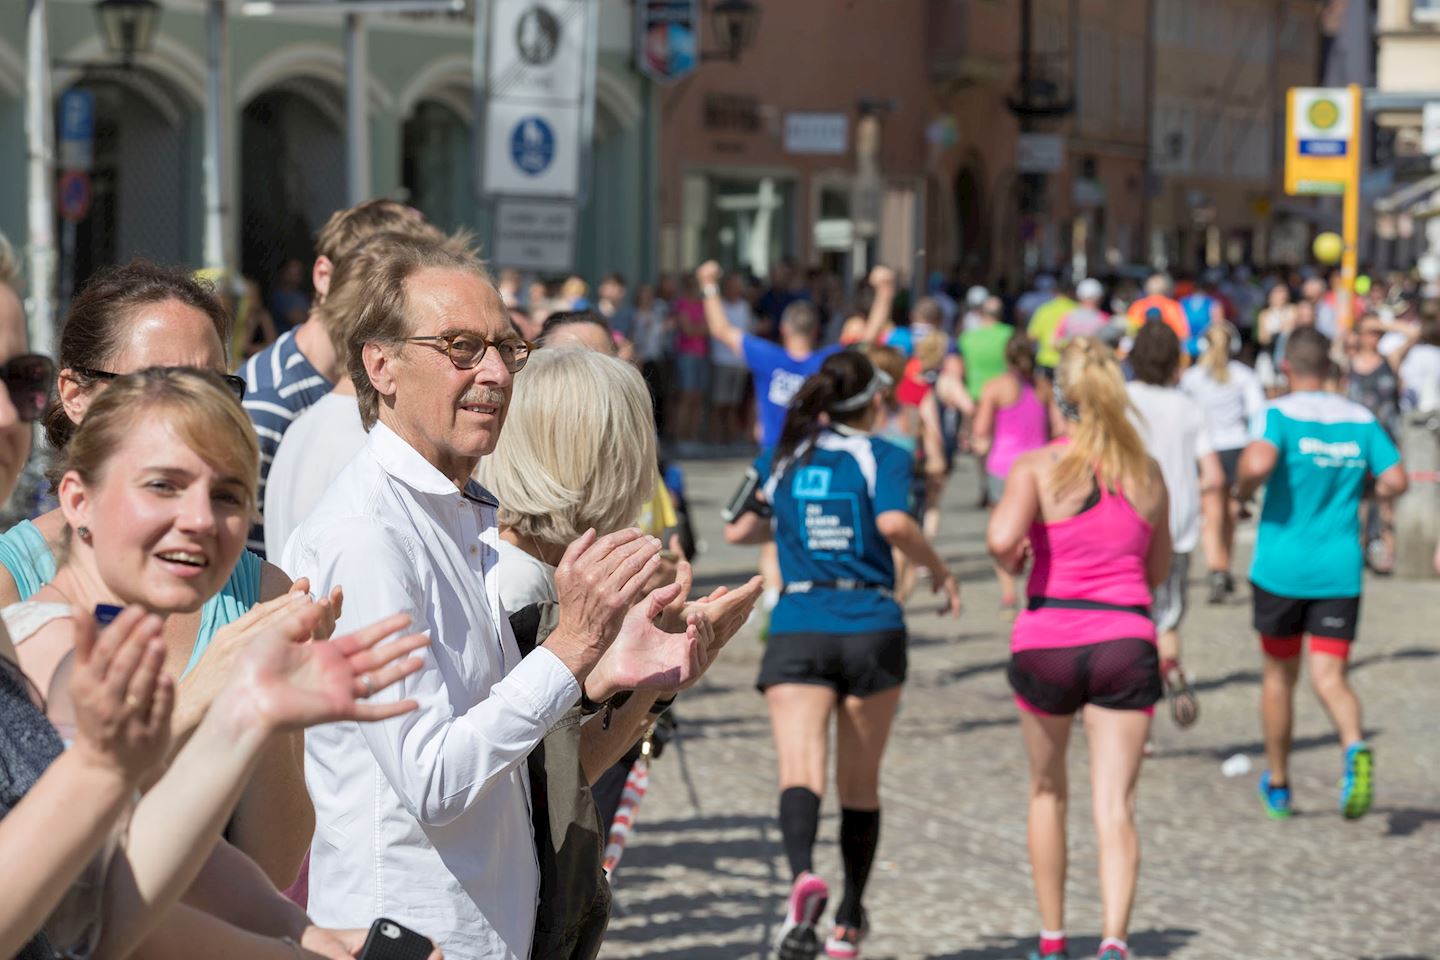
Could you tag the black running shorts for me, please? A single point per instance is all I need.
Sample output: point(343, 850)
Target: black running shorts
point(852, 664)
point(1277, 616)
point(1115, 674)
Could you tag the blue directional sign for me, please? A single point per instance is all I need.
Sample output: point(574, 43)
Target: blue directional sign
point(77, 129)
point(532, 145)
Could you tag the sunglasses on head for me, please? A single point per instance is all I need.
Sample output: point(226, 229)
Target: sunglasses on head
point(28, 379)
point(236, 385)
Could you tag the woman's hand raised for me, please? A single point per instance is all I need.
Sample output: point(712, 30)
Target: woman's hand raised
point(121, 697)
point(294, 685)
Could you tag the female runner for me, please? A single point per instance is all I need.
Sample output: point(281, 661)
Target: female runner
point(1092, 510)
point(839, 500)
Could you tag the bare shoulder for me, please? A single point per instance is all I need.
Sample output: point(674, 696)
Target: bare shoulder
point(274, 582)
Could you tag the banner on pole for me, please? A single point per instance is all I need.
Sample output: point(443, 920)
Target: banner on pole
point(667, 40)
point(1320, 135)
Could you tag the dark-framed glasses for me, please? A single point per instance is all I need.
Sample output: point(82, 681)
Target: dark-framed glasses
point(236, 385)
point(466, 350)
point(28, 378)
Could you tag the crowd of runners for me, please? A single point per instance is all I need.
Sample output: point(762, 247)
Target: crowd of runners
point(371, 632)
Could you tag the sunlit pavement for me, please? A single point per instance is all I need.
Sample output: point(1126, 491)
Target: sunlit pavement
point(705, 877)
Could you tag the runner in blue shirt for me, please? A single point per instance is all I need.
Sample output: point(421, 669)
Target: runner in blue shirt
point(837, 497)
point(1313, 454)
point(778, 369)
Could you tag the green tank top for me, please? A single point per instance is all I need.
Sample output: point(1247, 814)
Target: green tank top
point(983, 350)
point(26, 555)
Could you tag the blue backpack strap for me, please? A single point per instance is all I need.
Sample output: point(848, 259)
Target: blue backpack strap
point(240, 593)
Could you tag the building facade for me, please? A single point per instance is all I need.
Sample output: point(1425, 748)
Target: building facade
point(1221, 71)
point(286, 121)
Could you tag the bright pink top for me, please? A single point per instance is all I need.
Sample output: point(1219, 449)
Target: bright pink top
point(1020, 427)
point(693, 336)
point(1098, 555)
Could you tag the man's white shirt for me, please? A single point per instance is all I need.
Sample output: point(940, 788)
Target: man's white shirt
point(425, 818)
point(318, 445)
point(1176, 434)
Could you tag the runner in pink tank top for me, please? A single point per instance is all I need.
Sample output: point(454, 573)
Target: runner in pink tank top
point(1089, 513)
point(1013, 418)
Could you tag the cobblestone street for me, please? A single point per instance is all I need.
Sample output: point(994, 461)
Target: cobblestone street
point(705, 878)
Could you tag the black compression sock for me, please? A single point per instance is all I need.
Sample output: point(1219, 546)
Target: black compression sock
point(799, 820)
point(859, 836)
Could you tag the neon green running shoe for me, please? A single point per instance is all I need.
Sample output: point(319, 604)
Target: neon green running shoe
point(1357, 787)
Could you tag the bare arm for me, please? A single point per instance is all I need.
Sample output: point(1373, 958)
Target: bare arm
point(600, 749)
point(274, 819)
point(1162, 548)
point(882, 281)
point(931, 437)
point(902, 532)
point(1256, 464)
point(718, 324)
point(1392, 482)
point(983, 429)
point(1008, 535)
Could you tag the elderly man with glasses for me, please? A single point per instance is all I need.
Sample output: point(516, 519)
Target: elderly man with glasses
point(426, 819)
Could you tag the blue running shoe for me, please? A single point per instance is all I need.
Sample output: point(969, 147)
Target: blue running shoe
point(1276, 799)
point(1057, 955)
point(1357, 787)
point(1114, 953)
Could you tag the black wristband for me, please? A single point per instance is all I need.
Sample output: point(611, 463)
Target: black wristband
point(660, 706)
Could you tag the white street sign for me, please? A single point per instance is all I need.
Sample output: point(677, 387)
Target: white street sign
point(532, 151)
point(537, 50)
point(817, 133)
point(1430, 141)
point(1040, 153)
point(1321, 122)
point(536, 235)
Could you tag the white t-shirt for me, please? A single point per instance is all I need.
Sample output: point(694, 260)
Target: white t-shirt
point(1229, 406)
point(523, 579)
point(1420, 378)
point(318, 445)
point(740, 317)
point(1174, 430)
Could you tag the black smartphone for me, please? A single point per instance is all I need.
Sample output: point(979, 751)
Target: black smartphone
point(106, 613)
point(389, 940)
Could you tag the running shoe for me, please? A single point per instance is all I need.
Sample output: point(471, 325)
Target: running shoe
point(1184, 705)
point(798, 940)
point(1357, 787)
point(1219, 587)
point(844, 942)
point(1057, 955)
point(1276, 799)
point(1114, 953)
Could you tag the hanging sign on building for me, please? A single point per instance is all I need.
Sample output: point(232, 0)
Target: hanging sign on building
point(1040, 153)
point(667, 38)
point(536, 95)
point(1321, 134)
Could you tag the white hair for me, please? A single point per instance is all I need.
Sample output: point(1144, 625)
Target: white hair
point(577, 450)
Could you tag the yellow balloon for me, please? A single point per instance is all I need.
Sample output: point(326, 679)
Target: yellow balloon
point(1328, 247)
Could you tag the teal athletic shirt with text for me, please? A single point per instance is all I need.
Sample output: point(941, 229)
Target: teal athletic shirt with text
point(1309, 541)
point(825, 501)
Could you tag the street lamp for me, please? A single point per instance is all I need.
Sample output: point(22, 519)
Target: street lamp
point(128, 26)
point(734, 23)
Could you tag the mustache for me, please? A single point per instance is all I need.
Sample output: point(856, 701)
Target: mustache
point(488, 396)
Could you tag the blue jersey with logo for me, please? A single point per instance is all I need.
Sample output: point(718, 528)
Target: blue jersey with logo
point(1309, 541)
point(825, 501)
point(778, 377)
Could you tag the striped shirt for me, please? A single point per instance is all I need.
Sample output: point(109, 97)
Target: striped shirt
point(279, 384)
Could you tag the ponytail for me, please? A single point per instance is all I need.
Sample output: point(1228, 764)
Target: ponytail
point(1020, 355)
point(840, 381)
point(1216, 358)
point(1104, 444)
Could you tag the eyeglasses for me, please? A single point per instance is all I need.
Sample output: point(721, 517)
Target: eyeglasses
point(28, 378)
point(234, 383)
point(466, 350)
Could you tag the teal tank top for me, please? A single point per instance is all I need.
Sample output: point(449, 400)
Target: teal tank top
point(27, 557)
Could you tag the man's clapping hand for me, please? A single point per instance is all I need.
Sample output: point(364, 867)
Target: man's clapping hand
point(647, 657)
point(597, 582)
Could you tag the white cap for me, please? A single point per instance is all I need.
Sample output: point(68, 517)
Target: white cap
point(1089, 289)
point(976, 296)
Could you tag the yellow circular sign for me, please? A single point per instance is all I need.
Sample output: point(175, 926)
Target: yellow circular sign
point(1323, 114)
